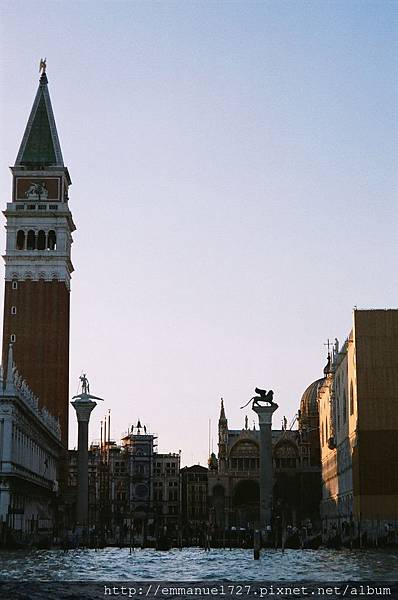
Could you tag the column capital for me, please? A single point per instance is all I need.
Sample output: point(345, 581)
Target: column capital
point(265, 413)
point(83, 409)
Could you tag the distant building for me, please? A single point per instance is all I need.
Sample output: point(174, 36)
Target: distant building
point(194, 505)
point(30, 448)
point(234, 474)
point(167, 491)
point(131, 479)
point(358, 410)
point(131, 485)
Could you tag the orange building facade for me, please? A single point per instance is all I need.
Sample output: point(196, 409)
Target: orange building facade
point(358, 412)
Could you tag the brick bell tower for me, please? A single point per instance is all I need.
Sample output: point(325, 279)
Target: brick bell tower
point(38, 263)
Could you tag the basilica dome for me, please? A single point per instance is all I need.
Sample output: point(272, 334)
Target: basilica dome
point(308, 404)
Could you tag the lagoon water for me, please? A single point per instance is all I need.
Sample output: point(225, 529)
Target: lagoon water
point(194, 564)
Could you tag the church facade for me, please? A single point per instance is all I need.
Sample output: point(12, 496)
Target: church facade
point(234, 493)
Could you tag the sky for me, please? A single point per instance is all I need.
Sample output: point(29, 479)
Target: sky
point(234, 169)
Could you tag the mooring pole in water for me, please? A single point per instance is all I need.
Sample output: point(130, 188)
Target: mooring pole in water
point(283, 541)
point(256, 544)
point(284, 529)
point(207, 541)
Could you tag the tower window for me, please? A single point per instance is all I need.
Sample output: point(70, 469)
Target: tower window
point(52, 240)
point(20, 239)
point(13, 310)
point(31, 241)
point(13, 337)
point(41, 240)
point(15, 285)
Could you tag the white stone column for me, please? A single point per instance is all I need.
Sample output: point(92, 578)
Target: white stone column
point(266, 465)
point(83, 409)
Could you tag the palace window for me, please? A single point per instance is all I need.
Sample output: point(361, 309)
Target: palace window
point(20, 240)
point(52, 240)
point(15, 285)
point(31, 241)
point(41, 240)
point(13, 338)
point(13, 310)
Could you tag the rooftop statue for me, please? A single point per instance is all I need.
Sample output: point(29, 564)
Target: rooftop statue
point(263, 396)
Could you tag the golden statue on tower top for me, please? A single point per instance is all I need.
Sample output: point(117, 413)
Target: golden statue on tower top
point(43, 65)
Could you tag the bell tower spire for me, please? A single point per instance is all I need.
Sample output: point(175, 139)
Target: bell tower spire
point(38, 264)
point(222, 439)
point(40, 145)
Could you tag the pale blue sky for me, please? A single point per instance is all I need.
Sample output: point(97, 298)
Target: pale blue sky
point(234, 191)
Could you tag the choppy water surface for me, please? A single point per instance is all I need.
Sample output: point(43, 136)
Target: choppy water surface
point(194, 564)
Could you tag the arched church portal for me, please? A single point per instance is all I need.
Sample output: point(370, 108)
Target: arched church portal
point(246, 504)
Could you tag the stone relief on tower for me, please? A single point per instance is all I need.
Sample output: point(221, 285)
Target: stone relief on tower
point(37, 191)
